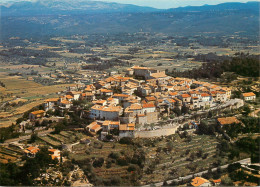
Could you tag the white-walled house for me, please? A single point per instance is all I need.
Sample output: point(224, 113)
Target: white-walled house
point(250, 96)
point(50, 104)
point(149, 108)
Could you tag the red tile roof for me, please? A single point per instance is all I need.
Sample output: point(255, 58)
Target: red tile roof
point(249, 94)
point(185, 95)
point(197, 181)
point(148, 105)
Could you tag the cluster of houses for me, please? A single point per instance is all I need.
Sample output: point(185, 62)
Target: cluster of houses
point(140, 97)
point(31, 152)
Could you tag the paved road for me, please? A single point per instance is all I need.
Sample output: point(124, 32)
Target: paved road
point(244, 161)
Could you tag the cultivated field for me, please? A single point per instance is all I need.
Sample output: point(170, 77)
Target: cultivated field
point(18, 87)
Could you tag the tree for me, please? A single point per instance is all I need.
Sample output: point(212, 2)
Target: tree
point(184, 109)
point(177, 111)
point(246, 110)
point(233, 167)
point(34, 137)
point(203, 127)
point(138, 157)
point(210, 114)
point(58, 128)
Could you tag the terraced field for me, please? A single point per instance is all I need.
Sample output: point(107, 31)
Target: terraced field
point(182, 160)
point(65, 137)
point(8, 154)
point(79, 154)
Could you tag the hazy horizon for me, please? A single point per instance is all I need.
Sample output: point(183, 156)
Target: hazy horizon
point(163, 4)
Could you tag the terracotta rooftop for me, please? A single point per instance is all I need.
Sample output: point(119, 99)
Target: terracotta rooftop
point(228, 120)
point(38, 112)
point(148, 105)
point(185, 95)
point(249, 94)
point(171, 100)
point(52, 100)
point(106, 123)
point(159, 75)
point(135, 106)
point(205, 95)
point(112, 109)
point(121, 95)
point(106, 91)
point(138, 67)
point(32, 149)
point(197, 181)
point(150, 98)
point(217, 181)
point(65, 102)
point(173, 93)
point(69, 97)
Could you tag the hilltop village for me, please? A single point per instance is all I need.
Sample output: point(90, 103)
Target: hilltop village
point(128, 103)
point(90, 126)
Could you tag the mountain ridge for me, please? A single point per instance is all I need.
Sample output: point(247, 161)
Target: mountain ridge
point(56, 7)
point(226, 18)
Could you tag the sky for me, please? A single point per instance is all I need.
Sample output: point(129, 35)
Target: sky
point(163, 4)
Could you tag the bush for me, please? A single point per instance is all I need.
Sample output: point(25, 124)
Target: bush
point(98, 162)
point(132, 167)
point(114, 155)
point(122, 161)
point(108, 164)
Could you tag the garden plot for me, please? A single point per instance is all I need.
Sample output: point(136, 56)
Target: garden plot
point(50, 141)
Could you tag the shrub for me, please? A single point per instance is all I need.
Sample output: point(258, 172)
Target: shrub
point(98, 162)
point(122, 161)
point(132, 167)
point(126, 140)
point(114, 155)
